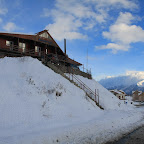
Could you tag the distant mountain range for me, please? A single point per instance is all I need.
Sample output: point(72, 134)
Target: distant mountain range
point(132, 81)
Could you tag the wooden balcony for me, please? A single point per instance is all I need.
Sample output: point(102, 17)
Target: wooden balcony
point(18, 51)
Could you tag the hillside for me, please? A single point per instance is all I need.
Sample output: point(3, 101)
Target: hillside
point(38, 105)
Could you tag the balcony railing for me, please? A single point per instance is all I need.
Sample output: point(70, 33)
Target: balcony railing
point(20, 50)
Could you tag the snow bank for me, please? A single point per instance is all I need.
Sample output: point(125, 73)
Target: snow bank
point(106, 99)
point(30, 93)
point(39, 106)
point(30, 100)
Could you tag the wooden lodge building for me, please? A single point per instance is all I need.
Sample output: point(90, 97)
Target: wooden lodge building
point(138, 96)
point(41, 46)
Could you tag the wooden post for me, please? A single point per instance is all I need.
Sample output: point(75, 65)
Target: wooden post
point(18, 43)
point(83, 68)
point(65, 46)
point(44, 56)
point(46, 53)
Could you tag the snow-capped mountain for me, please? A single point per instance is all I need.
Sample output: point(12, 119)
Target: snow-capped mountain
point(141, 83)
point(133, 80)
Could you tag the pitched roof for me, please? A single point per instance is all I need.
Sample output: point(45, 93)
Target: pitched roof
point(138, 92)
point(32, 37)
point(117, 91)
point(73, 62)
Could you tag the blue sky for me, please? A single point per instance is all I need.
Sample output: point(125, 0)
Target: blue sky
point(112, 31)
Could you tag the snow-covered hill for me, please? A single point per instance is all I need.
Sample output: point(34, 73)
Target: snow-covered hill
point(37, 104)
point(128, 83)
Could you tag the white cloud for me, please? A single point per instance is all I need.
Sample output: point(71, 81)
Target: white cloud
point(10, 27)
point(132, 73)
point(123, 33)
point(81, 10)
point(127, 4)
point(125, 18)
point(69, 17)
point(137, 74)
point(114, 47)
point(65, 27)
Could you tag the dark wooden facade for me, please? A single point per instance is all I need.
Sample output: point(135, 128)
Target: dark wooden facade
point(40, 45)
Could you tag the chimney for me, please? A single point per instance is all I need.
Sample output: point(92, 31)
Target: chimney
point(65, 46)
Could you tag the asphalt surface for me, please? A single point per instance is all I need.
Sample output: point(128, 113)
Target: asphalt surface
point(136, 137)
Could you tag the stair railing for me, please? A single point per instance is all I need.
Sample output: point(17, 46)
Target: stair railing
point(89, 92)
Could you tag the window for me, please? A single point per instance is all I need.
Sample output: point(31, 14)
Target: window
point(22, 46)
point(45, 35)
point(37, 49)
point(9, 43)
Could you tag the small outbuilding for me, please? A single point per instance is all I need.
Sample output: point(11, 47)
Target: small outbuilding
point(119, 93)
point(138, 95)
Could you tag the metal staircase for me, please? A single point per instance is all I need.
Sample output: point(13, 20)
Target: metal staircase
point(89, 92)
point(76, 81)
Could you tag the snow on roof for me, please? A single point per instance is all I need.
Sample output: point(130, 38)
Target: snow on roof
point(122, 91)
point(139, 92)
point(117, 91)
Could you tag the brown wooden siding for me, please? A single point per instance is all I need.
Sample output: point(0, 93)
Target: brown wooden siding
point(31, 41)
point(2, 42)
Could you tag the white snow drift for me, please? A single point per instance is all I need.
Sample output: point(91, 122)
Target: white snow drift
point(39, 106)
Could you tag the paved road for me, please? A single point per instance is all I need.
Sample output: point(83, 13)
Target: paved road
point(136, 137)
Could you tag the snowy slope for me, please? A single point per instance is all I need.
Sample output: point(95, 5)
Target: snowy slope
point(31, 111)
point(107, 99)
point(28, 95)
